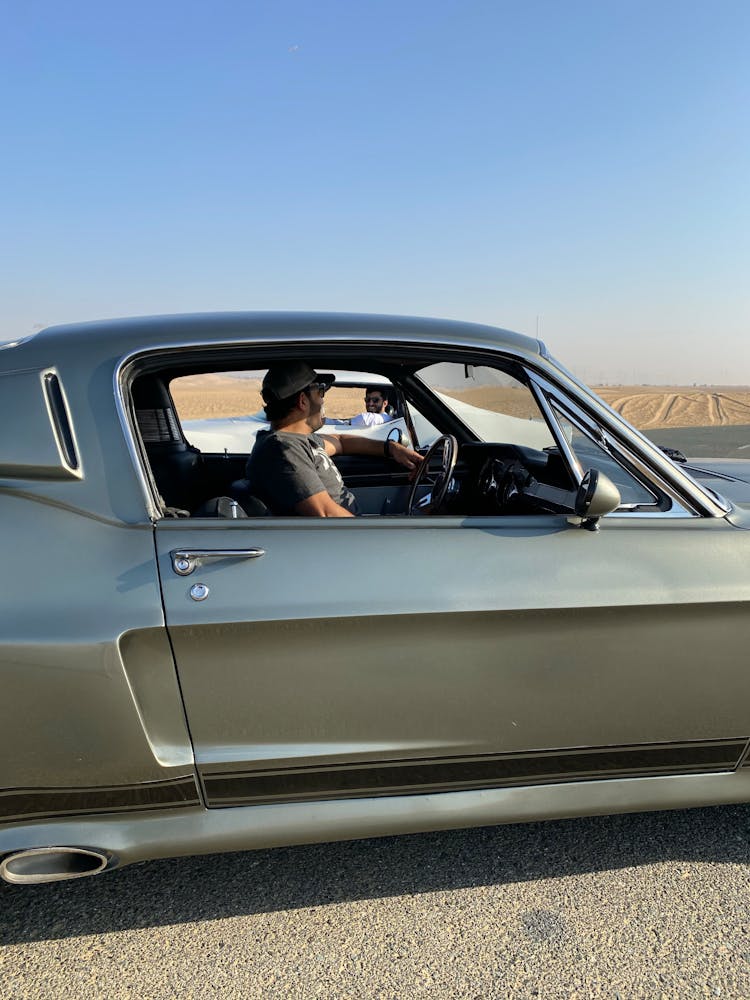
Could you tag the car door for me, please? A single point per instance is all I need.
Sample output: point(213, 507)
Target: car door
point(336, 658)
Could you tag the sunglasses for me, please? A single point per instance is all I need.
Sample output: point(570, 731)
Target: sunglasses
point(322, 387)
point(373, 399)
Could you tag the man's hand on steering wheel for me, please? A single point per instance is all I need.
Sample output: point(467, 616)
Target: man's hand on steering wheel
point(445, 452)
point(410, 459)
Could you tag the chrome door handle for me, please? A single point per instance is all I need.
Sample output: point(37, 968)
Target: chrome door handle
point(185, 561)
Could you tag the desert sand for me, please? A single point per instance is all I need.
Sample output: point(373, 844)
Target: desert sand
point(644, 406)
point(678, 406)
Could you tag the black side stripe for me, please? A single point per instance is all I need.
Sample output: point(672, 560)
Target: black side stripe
point(37, 803)
point(415, 777)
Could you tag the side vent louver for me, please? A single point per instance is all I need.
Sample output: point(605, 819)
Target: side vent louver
point(60, 420)
point(158, 426)
point(37, 434)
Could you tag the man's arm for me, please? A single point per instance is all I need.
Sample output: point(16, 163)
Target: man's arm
point(350, 444)
point(321, 505)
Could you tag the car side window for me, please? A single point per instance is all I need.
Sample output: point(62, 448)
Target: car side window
point(591, 454)
point(220, 411)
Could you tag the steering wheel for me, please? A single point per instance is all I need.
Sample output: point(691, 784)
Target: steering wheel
point(439, 479)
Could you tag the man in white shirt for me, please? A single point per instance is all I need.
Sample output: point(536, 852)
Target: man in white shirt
point(376, 404)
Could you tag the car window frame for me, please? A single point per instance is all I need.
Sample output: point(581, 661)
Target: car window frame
point(661, 502)
point(668, 502)
point(689, 497)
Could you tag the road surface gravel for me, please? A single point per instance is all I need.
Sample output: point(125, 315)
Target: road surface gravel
point(651, 905)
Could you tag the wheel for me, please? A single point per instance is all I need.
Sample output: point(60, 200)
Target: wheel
point(446, 449)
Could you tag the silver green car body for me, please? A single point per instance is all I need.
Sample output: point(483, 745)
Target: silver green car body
point(328, 679)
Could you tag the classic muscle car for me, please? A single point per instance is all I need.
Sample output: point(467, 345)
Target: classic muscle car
point(552, 620)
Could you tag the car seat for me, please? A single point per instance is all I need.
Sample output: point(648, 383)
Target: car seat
point(175, 464)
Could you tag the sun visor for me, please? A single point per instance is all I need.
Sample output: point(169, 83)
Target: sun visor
point(37, 440)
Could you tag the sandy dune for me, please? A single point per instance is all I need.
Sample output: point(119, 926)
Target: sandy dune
point(675, 406)
point(645, 407)
point(228, 397)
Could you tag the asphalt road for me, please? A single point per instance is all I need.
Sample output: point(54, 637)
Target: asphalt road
point(725, 441)
point(651, 905)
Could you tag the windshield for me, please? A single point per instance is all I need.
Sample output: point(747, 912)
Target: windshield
point(491, 403)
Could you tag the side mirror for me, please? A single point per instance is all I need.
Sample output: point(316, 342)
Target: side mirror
point(597, 495)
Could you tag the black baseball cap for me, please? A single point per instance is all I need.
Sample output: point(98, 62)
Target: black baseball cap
point(287, 377)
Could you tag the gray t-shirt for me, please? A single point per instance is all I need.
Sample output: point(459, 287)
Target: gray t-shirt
point(285, 469)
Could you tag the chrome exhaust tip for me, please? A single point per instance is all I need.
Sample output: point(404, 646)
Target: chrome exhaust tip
point(52, 864)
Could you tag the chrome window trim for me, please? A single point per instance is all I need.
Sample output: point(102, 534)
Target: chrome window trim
point(688, 496)
point(600, 439)
point(676, 512)
point(132, 435)
point(701, 499)
point(648, 473)
point(556, 430)
point(655, 483)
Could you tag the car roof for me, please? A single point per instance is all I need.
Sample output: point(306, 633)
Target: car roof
point(153, 331)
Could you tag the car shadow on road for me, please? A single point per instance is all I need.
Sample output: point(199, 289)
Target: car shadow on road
point(213, 887)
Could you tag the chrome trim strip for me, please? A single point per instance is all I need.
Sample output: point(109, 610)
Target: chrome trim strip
point(373, 522)
point(554, 424)
point(677, 513)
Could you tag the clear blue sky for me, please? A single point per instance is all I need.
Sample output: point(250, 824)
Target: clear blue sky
point(580, 166)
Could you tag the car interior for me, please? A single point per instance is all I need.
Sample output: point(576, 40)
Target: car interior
point(463, 475)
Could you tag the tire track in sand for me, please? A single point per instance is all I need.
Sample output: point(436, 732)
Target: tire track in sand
point(680, 406)
point(714, 409)
point(662, 414)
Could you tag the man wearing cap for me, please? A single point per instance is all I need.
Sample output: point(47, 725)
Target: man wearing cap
point(290, 467)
